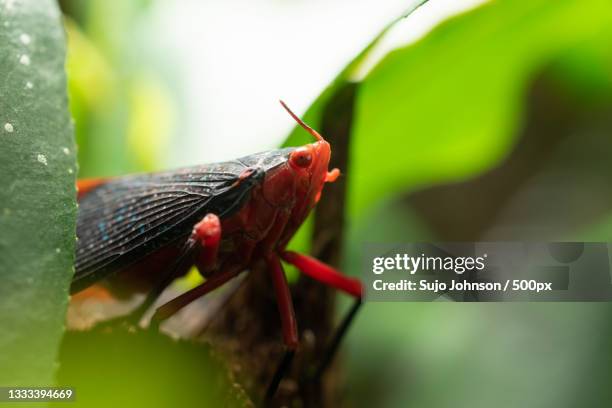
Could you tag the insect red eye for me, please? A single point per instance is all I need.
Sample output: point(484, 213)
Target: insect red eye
point(301, 158)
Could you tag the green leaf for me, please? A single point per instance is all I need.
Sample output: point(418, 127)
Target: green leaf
point(449, 106)
point(37, 198)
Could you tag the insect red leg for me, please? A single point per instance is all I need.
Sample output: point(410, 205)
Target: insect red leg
point(168, 309)
point(208, 233)
point(204, 261)
point(288, 321)
point(324, 273)
point(285, 304)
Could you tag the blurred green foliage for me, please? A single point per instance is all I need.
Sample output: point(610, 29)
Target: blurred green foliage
point(123, 109)
point(145, 369)
point(455, 100)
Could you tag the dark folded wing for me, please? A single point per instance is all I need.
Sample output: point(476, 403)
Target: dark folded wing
point(126, 219)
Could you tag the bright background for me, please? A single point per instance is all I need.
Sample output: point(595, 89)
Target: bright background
point(200, 72)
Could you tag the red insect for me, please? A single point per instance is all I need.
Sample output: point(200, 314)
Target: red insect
point(144, 231)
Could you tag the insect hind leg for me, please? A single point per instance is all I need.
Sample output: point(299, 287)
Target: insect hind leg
point(168, 309)
point(207, 261)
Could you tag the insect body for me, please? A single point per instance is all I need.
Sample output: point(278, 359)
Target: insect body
point(225, 218)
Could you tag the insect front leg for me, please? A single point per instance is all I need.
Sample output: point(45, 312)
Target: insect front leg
point(288, 321)
point(206, 234)
point(204, 241)
point(324, 273)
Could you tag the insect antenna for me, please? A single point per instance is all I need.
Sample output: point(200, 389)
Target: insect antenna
point(301, 123)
